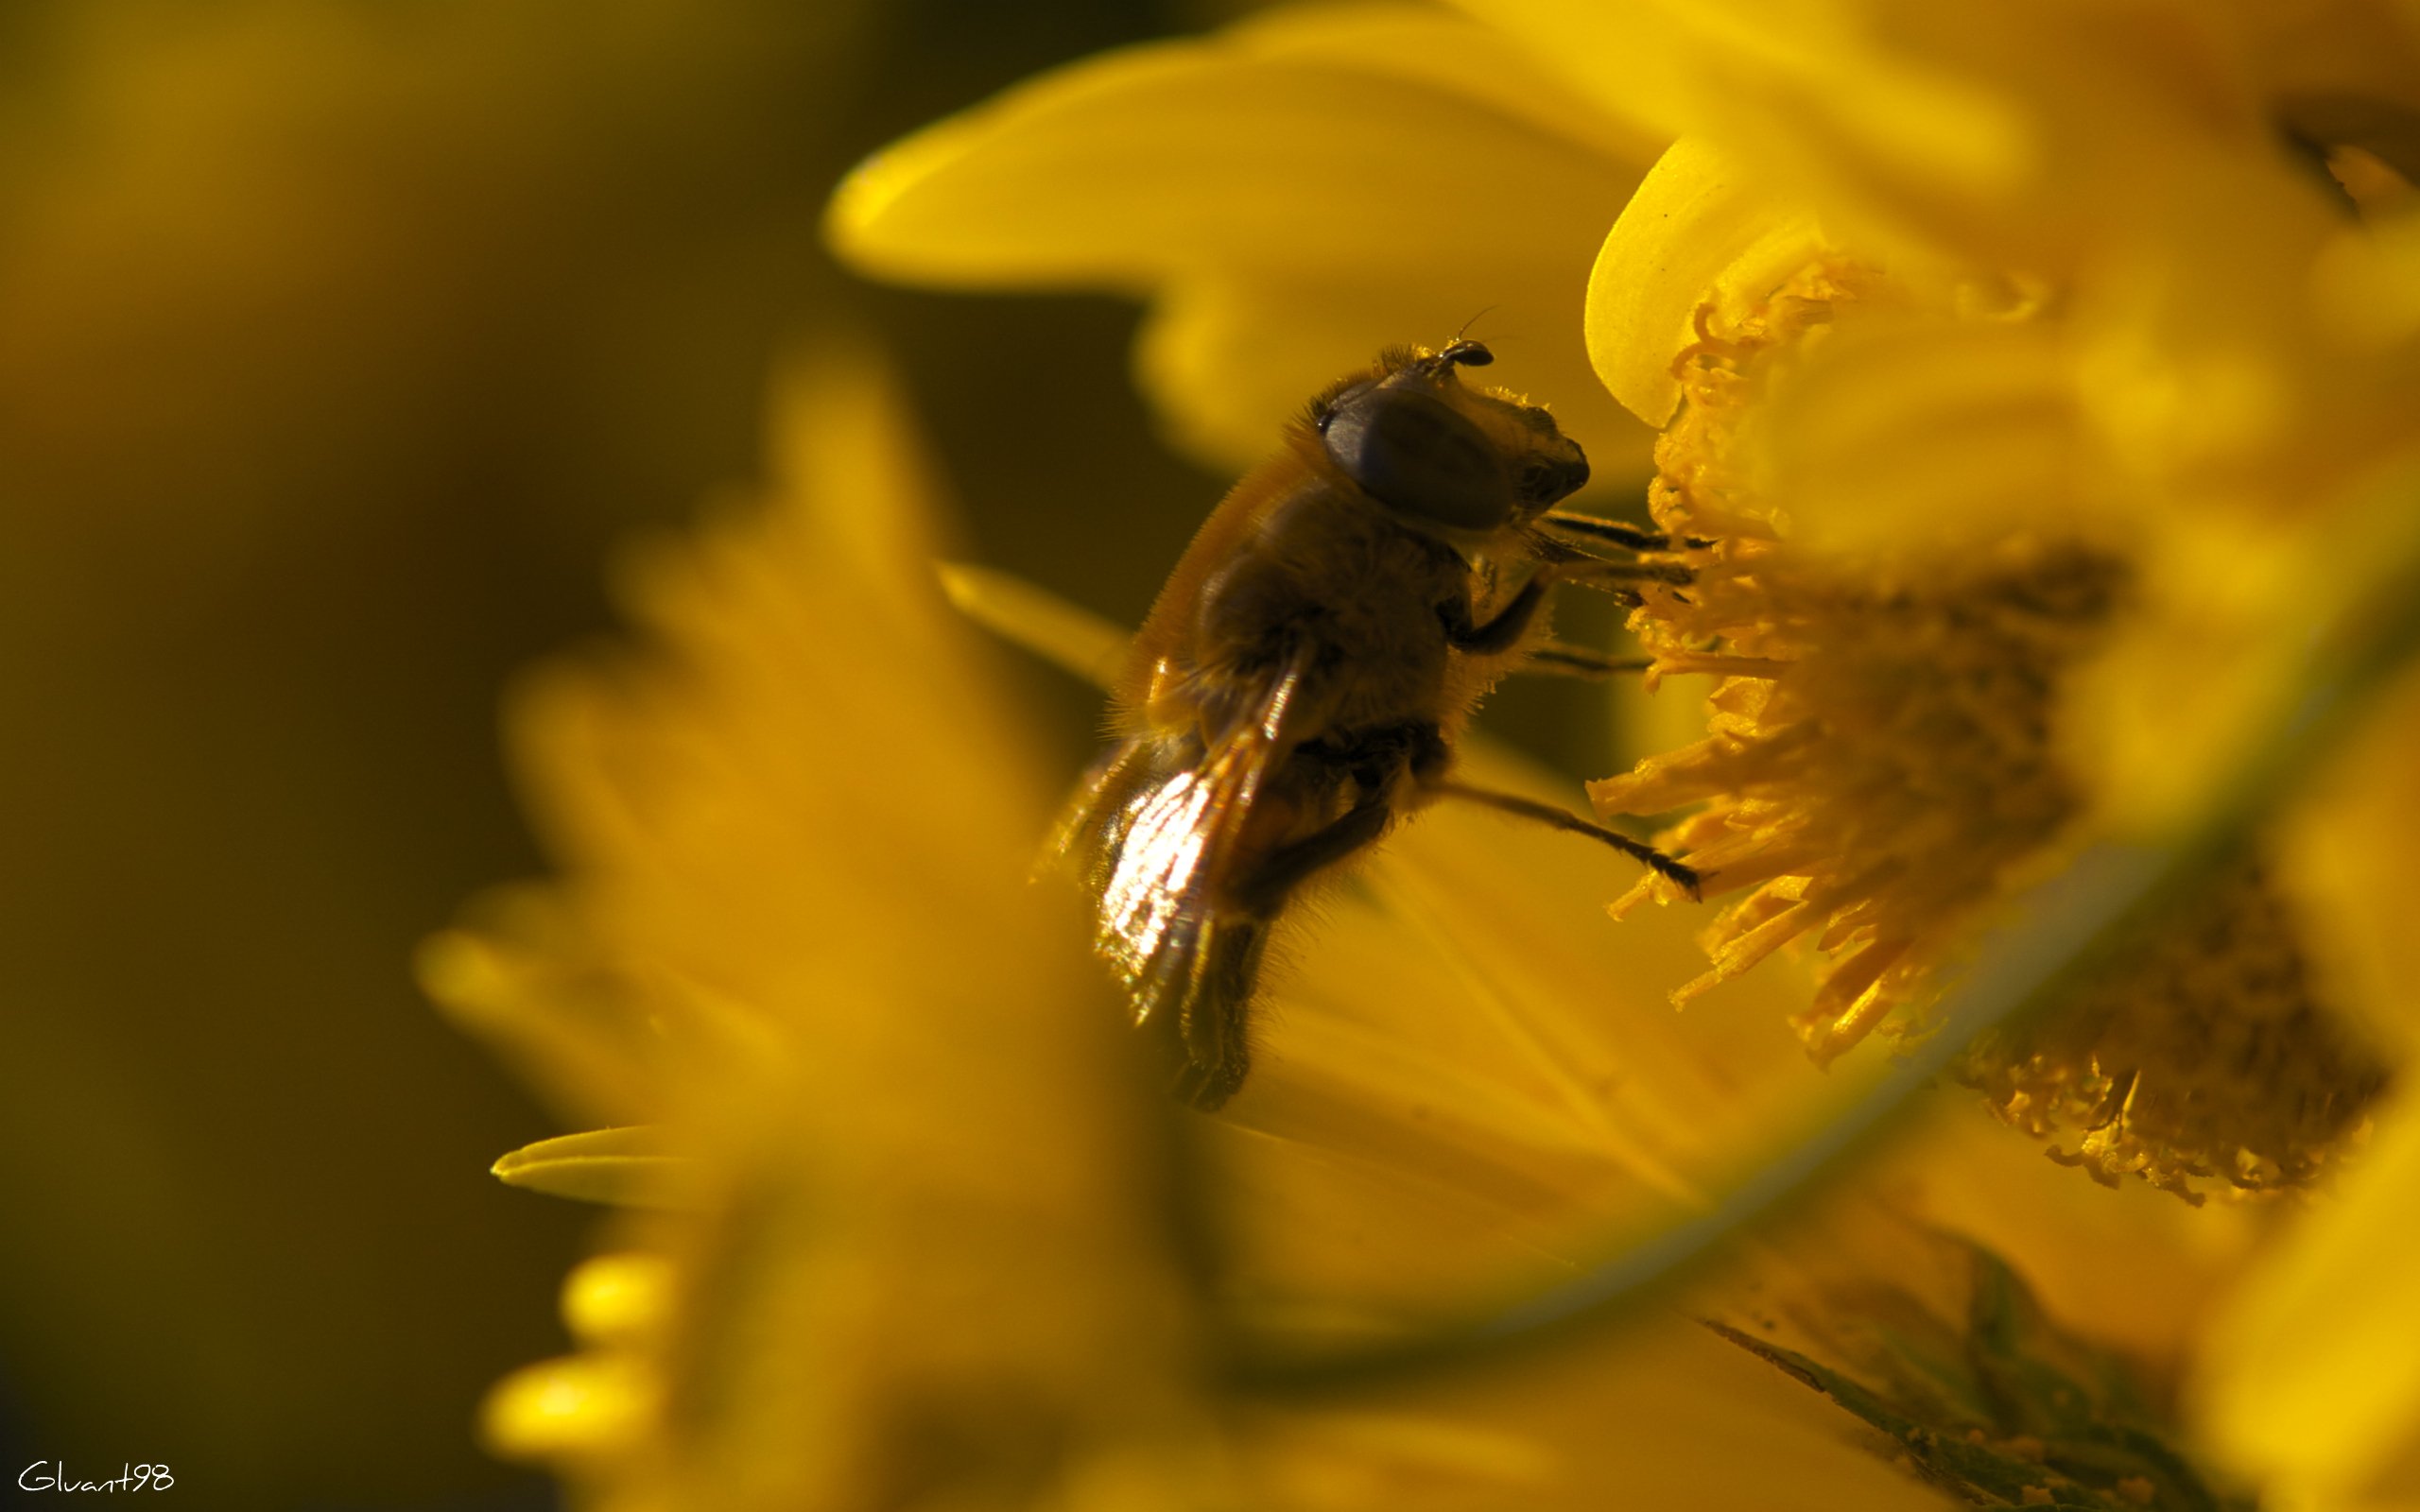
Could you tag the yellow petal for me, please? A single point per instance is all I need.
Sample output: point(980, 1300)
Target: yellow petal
point(586, 1405)
point(1696, 232)
point(1037, 620)
point(2366, 284)
point(1782, 78)
point(2012, 135)
point(2244, 609)
point(1328, 1246)
point(1633, 60)
point(624, 1166)
point(1159, 159)
point(2354, 850)
point(1465, 1066)
point(1227, 359)
point(1481, 62)
point(2310, 1379)
point(522, 982)
point(1924, 434)
point(1299, 192)
point(1659, 1413)
point(616, 1299)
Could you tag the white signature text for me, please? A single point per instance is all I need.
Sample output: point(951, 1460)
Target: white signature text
point(53, 1475)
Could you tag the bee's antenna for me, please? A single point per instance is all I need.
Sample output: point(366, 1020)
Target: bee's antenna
point(1471, 321)
point(1464, 352)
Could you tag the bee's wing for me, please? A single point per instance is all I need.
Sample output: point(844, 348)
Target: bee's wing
point(1157, 825)
point(1088, 825)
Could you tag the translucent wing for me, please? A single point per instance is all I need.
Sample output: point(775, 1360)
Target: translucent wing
point(1157, 828)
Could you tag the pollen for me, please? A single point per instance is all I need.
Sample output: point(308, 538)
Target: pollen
point(2206, 1057)
point(1881, 762)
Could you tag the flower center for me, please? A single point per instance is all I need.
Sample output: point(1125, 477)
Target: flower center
point(1880, 767)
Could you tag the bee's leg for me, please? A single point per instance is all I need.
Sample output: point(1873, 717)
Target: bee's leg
point(1610, 532)
point(1285, 869)
point(1613, 532)
point(1548, 814)
point(1556, 659)
point(1607, 573)
point(1497, 635)
point(1217, 1055)
point(1373, 766)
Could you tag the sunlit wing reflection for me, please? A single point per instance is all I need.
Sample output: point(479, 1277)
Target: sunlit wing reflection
point(1162, 845)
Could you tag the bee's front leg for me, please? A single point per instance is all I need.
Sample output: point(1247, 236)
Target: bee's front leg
point(1499, 634)
point(1547, 813)
point(1594, 574)
point(1597, 530)
point(1557, 660)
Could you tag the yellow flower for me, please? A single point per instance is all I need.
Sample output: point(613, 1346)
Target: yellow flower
point(904, 1241)
point(1882, 762)
point(903, 1228)
point(1972, 339)
point(2105, 358)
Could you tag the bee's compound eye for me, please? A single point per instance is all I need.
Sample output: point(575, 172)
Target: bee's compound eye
point(1468, 353)
point(1412, 451)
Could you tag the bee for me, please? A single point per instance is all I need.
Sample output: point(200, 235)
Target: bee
point(1302, 676)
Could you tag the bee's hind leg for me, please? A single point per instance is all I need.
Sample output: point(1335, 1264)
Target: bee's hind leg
point(1547, 813)
point(1217, 1053)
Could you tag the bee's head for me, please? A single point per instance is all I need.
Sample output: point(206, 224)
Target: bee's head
point(1457, 461)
